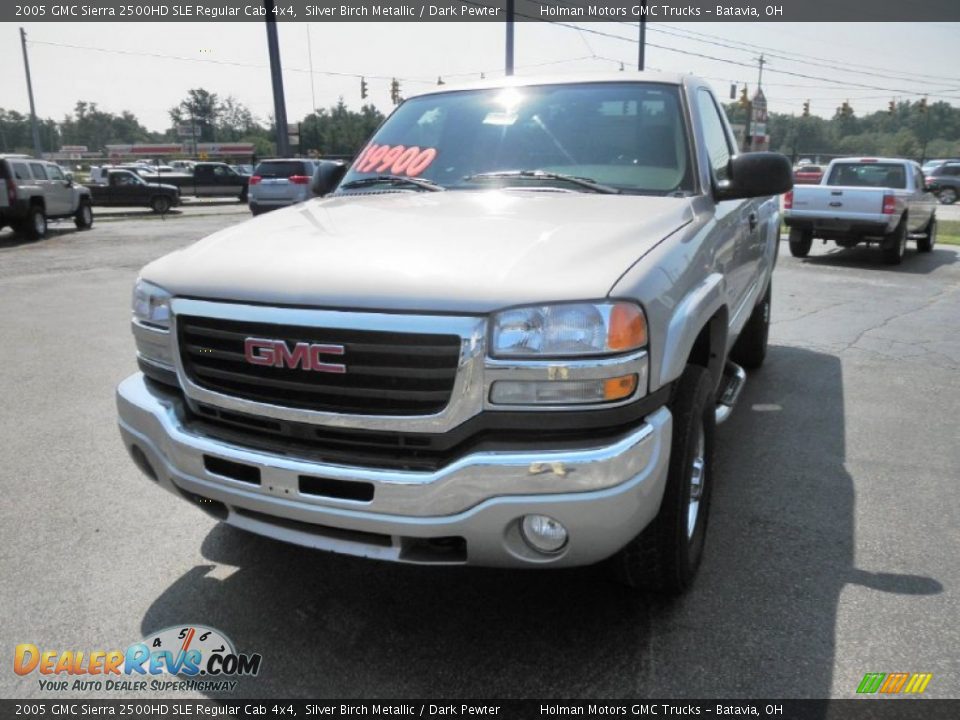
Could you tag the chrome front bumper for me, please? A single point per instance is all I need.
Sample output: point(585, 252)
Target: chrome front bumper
point(465, 513)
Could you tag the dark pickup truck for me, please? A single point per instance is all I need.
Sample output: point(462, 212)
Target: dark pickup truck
point(209, 179)
point(125, 187)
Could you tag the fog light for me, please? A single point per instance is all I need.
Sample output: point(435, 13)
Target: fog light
point(543, 534)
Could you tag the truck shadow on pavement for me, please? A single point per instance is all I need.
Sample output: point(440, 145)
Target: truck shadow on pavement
point(862, 257)
point(760, 621)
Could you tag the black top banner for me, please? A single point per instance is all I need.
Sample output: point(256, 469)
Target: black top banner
point(577, 11)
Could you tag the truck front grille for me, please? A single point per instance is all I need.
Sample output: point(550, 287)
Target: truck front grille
point(387, 373)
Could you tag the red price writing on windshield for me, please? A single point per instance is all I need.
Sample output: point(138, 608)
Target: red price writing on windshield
point(394, 159)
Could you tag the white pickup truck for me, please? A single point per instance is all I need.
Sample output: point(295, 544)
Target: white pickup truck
point(881, 200)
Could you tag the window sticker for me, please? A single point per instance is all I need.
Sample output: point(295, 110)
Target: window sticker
point(394, 159)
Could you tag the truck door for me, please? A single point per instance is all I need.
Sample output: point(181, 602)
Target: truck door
point(203, 182)
point(125, 189)
point(59, 192)
point(224, 181)
point(922, 199)
point(51, 200)
point(737, 247)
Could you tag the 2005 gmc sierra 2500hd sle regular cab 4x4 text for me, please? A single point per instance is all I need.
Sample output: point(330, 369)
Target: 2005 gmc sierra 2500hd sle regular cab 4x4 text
point(503, 338)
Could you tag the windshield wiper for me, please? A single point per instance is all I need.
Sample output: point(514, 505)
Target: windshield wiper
point(393, 180)
point(583, 182)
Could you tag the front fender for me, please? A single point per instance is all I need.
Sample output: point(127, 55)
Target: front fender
point(691, 315)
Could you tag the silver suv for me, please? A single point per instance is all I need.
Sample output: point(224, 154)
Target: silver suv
point(278, 183)
point(33, 191)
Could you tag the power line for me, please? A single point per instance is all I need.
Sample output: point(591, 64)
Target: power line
point(743, 63)
point(780, 54)
point(331, 73)
point(798, 58)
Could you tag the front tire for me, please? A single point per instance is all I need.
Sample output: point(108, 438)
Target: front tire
point(895, 244)
point(160, 204)
point(800, 242)
point(83, 218)
point(665, 556)
point(925, 244)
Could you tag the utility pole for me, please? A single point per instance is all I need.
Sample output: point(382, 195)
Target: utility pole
point(508, 64)
point(276, 75)
point(642, 53)
point(761, 62)
point(37, 150)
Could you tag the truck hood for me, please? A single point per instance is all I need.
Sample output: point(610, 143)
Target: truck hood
point(460, 251)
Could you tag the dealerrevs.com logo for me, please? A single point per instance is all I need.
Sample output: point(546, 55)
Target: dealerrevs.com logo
point(184, 657)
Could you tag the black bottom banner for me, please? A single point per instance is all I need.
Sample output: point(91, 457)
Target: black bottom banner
point(859, 709)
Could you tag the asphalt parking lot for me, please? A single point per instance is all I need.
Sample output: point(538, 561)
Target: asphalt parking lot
point(832, 549)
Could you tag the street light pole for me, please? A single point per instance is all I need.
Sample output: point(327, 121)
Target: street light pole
point(37, 150)
point(276, 75)
point(508, 62)
point(641, 58)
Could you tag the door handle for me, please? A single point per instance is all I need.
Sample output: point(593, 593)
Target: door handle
point(752, 219)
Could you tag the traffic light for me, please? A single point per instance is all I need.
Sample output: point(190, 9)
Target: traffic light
point(733, 87)
point(923, 105)
point(744, 100)
point(892, 107)
point(806, 109)
point(363, 88)
point(395, 91)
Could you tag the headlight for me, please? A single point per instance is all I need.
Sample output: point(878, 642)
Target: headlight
point(568, 330)
point(151, 305)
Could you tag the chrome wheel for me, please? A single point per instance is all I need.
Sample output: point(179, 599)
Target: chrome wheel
point(39, 223)
point(697, 477)
point(948, 196)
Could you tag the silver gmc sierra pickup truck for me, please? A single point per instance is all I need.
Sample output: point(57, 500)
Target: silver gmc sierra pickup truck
point(503, 337)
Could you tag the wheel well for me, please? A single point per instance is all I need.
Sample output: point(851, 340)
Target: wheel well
point(37, 201)
point(709, 349)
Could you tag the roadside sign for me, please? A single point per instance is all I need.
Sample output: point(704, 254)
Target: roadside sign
point(186, 130)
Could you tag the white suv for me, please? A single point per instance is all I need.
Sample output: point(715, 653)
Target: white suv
point(31, 191)
point(281, 182)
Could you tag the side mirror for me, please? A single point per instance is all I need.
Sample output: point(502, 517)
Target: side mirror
point(757, 174)
point(327, 176)
point(69, 178)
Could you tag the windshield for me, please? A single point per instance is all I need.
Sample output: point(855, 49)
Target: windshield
point(628, 136)
point(882, 175)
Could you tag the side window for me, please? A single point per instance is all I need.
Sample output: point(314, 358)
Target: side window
point(714, 135)
point(54, 172)
point(20, 171)
point(38, 172)
point(220, 172)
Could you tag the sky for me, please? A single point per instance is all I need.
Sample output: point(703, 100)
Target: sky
point(147, 68)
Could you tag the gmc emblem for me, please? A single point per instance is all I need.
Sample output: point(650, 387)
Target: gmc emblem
point(304, 356)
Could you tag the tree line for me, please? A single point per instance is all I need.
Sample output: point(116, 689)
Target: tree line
point(336, 130)
point(913, 130)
